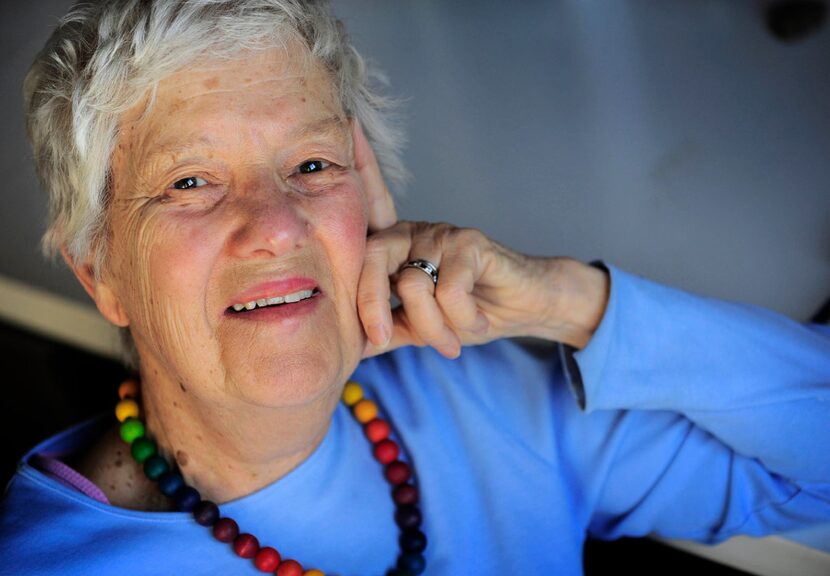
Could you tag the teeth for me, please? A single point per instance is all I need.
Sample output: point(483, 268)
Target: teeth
point(262, 302)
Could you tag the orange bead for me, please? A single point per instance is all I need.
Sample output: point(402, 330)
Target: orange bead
point(365, 410)
point(128, 389)
point(126, 409)
point(313, 572)
point(352, 393)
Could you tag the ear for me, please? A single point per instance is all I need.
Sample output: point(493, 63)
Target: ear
point(381, 206)
point(99, 290)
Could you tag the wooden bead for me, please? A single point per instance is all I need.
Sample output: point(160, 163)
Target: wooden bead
point(225, 530)
point(412, 541)
point(352, 394)
point(290, 568)
point(186, 498)
point(405, 494)
point(267, 559)
point(206, 513)
point(170, 482)
point(128, 389)
point(365, 410)
point(127, 408)
point(142, 448)
point(408, 517)
point(414, 563)
point(377, 430)
point(313, 572)
point(131, 429)
point(386, 451)
point(246, 545)
point(398, 472)
point(155, 466)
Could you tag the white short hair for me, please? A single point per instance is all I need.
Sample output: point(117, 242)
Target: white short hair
point(105, 57)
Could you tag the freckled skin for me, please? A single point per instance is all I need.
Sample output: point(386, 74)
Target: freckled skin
point(259, 394)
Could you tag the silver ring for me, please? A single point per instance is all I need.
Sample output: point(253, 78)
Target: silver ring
point(425, 266)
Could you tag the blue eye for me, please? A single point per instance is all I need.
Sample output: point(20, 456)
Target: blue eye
point(313, 166)
point(189, 182)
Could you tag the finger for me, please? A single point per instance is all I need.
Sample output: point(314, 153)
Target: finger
point(402, 335)
point(381, 205)
point(416, 291)
point(460, 271)
point(383, 252)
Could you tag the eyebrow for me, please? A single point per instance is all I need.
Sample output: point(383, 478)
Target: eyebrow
point(324, 127)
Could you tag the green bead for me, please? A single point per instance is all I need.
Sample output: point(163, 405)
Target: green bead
point(142, 449)
point(131, 429)
point(155, 466)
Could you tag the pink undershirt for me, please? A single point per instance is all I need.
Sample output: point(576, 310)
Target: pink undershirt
point(66, 475)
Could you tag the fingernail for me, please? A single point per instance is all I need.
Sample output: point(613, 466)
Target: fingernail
point(379, 335)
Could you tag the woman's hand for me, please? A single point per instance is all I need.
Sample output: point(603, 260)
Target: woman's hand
point(484, 291)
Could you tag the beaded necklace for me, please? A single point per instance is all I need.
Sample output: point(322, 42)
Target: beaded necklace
point(412, 540)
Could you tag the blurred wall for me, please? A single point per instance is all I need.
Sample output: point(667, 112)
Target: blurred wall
point(678, 140)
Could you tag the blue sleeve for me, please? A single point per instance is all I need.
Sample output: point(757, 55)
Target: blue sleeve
point(724, 422)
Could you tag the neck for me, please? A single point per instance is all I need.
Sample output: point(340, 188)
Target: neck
point(227, 451)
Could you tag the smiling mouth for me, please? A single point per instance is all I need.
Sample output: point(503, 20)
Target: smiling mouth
point(273, 301)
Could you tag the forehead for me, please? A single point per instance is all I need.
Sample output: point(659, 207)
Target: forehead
point(274, 90)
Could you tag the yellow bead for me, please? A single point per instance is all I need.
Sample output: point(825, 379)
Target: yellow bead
point(365, 410)
point(313, 572)
point(352, 393)
point(126, 409)
point(128, 389)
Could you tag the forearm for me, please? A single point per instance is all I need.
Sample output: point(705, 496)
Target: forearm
point(757, 380)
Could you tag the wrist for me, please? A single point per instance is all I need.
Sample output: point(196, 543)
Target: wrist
point(578, 298)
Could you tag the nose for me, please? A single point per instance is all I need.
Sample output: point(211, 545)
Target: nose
point(270, 224)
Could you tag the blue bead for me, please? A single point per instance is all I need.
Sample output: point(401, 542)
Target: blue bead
point(206, 513)
point(169, 482)
point(413, 541)
point(187, 498)
point(155, 466)
point(414, 563)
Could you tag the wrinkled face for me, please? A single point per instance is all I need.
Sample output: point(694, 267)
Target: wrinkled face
point(238, 189)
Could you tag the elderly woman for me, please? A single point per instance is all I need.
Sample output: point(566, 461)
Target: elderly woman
point(214, 188)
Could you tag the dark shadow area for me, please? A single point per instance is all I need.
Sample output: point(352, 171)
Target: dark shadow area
point(48, 387)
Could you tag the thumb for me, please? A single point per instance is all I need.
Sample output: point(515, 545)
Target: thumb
point(402, 335)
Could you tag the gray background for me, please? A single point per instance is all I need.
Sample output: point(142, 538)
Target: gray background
point(677, 140)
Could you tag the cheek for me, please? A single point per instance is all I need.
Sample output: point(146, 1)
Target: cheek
point(165, 274)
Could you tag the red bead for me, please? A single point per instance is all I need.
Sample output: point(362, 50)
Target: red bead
point(398, 472)
point(386, 451)
point(267, 559)
point(405, 494)
point(377, 430)
point(246, 545)
point(290, 568)
point(225, 530)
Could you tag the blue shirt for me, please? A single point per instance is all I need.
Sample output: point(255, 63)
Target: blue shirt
point(684, 416)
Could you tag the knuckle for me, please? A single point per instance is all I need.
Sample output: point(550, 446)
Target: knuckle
point(450, 294)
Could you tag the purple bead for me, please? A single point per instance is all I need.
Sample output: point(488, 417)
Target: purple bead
point(206, 513)
point(186, 498)
point(412, 541)
point(408, 517)
point(169, 482)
